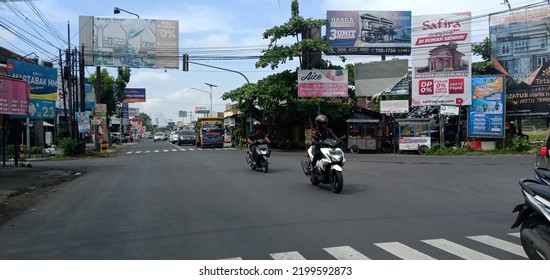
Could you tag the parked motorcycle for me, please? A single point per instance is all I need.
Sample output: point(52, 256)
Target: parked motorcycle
point(262, 153)
point(534, 218)
point(328, 169)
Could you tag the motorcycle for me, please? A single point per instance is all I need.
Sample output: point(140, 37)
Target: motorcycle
point(328, 169)
point(262, 153)
point(534, 218)
point(542, 175)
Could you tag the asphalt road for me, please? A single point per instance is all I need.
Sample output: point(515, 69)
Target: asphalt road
point(156, 200)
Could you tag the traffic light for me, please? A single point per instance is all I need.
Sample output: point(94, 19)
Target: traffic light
point(185, 62)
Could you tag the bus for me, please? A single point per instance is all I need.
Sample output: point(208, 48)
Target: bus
point(209, 132)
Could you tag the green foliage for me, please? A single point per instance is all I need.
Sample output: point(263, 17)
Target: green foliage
point(33, 150)
point(71, 147)
point(263, 100)
point(113, 91)
point(520, 144)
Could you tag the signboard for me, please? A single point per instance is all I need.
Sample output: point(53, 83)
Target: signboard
point(369, 32)
point(323, 83)
point(394, 106)
point(134, 95)
point(442, 60)
point(449, 110)
point(519, 39)
point(201, 110)
point(132, 42)
point(486, 114)
point(43, 85)
point(14, 96)
point(83, 120)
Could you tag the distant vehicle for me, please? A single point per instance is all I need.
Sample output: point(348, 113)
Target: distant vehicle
point(159, 136)
point(186, 137)
point(210, 132)
point(115, 137)
point(174, 137)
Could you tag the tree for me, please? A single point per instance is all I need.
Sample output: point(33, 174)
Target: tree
point(113, 91)
point(486, 66)
point(263, 100)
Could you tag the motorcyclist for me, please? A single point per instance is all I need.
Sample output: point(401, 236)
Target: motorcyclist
point(320, 132)
point(256, 134)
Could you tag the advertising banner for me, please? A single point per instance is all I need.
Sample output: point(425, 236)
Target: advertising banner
point(134, 95)
point(369, 32)
point(201, 110)
point(83, 120)
point(441, 64)
point(43, 85)
point(323, 83)
point(14, 96)
point(132, 42)
point(486, 114)
point(394, 106)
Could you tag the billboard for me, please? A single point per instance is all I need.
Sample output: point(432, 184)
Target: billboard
point(134, 95)
point(323, 83)
point(441, 65)
point(369, 32)
point(132, 42)
point(519, 39)
point(14, 96)
point(388, 77)
point(43, 83)
point(486, 114)
point(531, 98)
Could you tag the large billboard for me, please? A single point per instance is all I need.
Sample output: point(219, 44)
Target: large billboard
point(441, 65)
point(323, 83)
point(14, 96)
point(43, 83)
point(369, 32)
point(486, 114)
point(132, 42)
point(520, 49)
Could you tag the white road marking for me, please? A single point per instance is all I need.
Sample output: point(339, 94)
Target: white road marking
point(403, 251)
point(458, 250)
point(500, 244)
point(345, 253)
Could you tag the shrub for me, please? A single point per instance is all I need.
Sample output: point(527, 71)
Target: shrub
point(70, 146)
point(520, 144)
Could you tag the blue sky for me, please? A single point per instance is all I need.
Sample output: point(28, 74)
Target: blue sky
point(213, 28)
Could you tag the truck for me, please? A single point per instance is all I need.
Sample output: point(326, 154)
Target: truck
point(209, 132)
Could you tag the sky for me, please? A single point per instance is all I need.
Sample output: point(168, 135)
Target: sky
point(207, 28)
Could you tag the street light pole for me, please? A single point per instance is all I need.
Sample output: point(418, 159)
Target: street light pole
point(117, 11)
point(210, 85)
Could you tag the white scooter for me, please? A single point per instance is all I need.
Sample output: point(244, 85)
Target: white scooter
point(534, 218)
point(328, 169)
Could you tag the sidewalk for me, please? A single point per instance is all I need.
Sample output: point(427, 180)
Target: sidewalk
point(40, 173)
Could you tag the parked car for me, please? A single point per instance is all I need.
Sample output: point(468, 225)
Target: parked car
point(159, 136)
point(186, 137)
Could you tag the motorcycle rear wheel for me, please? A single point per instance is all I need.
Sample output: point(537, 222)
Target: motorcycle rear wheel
point(336, 181)
point(540, 226)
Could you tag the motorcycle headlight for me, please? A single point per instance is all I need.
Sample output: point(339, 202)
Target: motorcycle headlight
point(336, 155)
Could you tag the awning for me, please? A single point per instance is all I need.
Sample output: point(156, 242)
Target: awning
point(47, 124)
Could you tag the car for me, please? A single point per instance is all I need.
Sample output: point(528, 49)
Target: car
point(186, 137)
point(159, 136)
point(174, 137)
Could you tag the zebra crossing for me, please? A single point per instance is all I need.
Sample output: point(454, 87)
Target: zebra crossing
point(405, 252)
point(177, 150)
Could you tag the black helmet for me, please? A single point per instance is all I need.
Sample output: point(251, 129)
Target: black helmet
point(321, 121)
point(256, 125)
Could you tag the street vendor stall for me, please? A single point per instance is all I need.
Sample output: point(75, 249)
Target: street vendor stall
point(414, 135)
point(363, 134)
